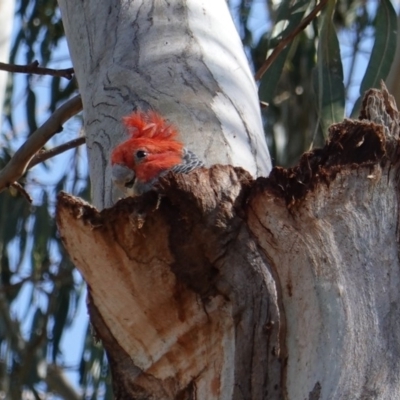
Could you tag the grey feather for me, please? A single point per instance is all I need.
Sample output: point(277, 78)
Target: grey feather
point(189, 162)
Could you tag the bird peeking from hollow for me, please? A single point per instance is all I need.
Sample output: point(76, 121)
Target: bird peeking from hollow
point(152, 151)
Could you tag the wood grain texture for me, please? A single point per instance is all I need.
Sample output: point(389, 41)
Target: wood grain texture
point(177, 285)
point(222, 287)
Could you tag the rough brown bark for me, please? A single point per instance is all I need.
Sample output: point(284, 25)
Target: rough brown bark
point(229, 288)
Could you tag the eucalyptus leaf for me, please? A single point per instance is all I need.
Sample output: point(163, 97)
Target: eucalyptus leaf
point(60, 318)
point(328, 75)
point(289, 16)
point(31, 109)
point(383, 51)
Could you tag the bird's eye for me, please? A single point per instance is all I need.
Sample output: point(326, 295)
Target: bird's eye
point(140, 154)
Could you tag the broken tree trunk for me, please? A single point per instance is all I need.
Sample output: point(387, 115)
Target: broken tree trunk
point(230, 288)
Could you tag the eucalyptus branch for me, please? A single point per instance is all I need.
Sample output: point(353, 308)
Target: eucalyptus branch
point(18, 164)
point(34, 68)
point(45, 155)
point(288, 39)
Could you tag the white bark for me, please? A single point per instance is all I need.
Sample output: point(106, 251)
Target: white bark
point(6, 24)
point(338, 263)
point(182, 58)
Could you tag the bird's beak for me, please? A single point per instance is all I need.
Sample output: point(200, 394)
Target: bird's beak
point(122, 176)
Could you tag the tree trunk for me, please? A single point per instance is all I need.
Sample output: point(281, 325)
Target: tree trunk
point(225, 287)
point(286, 287)
point(182, 58)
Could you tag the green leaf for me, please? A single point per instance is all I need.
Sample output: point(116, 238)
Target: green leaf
point(35, 350)
point(383, 52)
point(38, 325)
point(16, 46)
point(46, 46)
point(60, 317)
point(31, 110)
point(270, 79)
point(289, 15)
point(5, 272)
point(54, 93)
point(328, 75)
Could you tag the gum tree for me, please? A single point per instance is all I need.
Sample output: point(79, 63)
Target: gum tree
point(235, 283)
point(282, 287)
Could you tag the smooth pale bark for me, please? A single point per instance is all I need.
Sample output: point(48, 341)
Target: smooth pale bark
point(182, 58)
point(229, 288)
point(6, 23)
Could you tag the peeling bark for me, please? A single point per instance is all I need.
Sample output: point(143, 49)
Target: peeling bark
point(175, 302)
point(285, 287)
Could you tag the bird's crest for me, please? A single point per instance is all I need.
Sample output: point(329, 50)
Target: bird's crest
point(149, 125)
point(152, 149)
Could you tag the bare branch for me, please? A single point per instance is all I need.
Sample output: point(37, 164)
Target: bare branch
point(18, 164)
point(34, 68)
point(59, 383)
point(288, 39)
point(45, 155)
